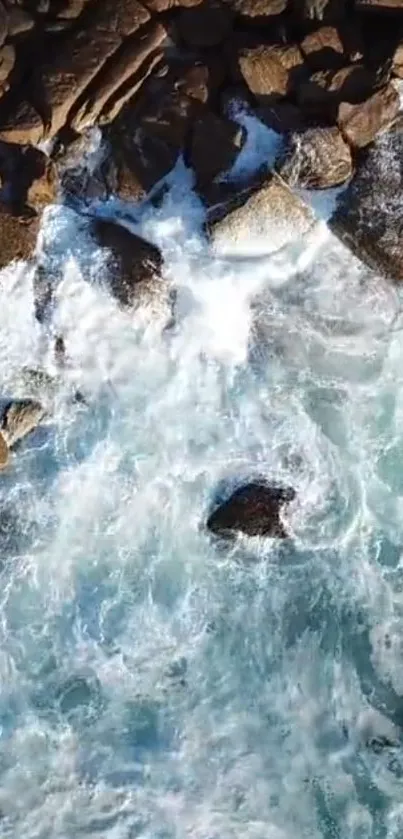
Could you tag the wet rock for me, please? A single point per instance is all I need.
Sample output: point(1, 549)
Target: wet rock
point(3, 24)
point(271, 71)
point(317, 159)
point(164, 5)
point(268, 207)
point(135, 264)
point(215, 145)
point(28, 177)
point(254, 509)
point(373, 228)
point(361, 123)
point(206, 25)
point(322, 94)
point(20, 121)
point(379, 5)
point(20, 417)
point(17, 236)
point(4, 455)
point(7, 61)
point(397, 61)
point(19, 21)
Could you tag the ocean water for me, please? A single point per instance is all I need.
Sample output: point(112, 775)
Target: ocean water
point(153, 683)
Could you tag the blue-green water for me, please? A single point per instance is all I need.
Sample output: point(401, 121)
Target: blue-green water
point(153, 684)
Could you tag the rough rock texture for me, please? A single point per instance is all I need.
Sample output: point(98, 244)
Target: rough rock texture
point(397, 61)
point(317, 159)
point(214, 146)
point(361, 123)
point(379, 5)
point(254, 509)
point(164, 5)
point(268, 208)
point(257, 8)
point(135, 264)
point(369, 216)
point(4, 452)
point(331, 11)
point(323, 48)
point(20, 418)
point(271, 70)
point(17, 236)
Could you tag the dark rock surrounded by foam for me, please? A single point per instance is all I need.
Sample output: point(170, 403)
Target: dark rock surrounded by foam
point(253, 509)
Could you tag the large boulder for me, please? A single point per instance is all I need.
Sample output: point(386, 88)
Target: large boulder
point(134, 264)
point(267, 211)
point(361, 123)
point(253, 509)
point(369, 214)
point(214, 145)
point(317, 159)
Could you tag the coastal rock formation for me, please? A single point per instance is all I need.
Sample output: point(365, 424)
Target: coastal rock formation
point(134, 264)
point(20, 417)
point(267, 207)
point(361, 123)
point(317, 159)
point(253, 509)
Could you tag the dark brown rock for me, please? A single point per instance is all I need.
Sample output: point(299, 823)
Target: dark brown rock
point(19, 21)
point(215, 145)
point(164, 5)
point(71, 9)
point(28, 177)
point(17, 236)
point(126, 66)
point(329, 11)
point(283, 117)
point(317, 159)
point(206, 25)
point(361, 123)
point(379, 5)
point(3, 24)
point(397, 61)
point(134, 264)
point(369, 214)
point(322, 94)
point(7, 61)
point(271, 71)
point(254, 509)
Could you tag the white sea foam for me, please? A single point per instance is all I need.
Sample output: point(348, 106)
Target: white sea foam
point(152, 683)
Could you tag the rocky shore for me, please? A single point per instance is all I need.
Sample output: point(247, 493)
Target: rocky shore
point(159, 78)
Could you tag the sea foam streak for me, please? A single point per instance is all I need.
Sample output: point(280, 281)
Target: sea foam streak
point(153, 684)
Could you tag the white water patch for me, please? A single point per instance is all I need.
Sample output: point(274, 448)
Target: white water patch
point(153, 682)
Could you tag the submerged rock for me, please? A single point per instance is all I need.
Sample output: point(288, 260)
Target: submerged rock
point(253, 509)
point(20, 417)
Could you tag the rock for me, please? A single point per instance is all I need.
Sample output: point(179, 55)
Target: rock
point(164, 5)
point(254, 509)
point(397, 61)
point(28, 177)
point(21, 123)
point(20, 418)
point(379, 5)
point(19, 21)
point(271, 71)
point(214, 146)
point(361, 123)
point(206, 25)
point(330, 11)
point(257, 8)
point(317, 159)
point(17, 236)
point(7, 61)
point(80, 57)
point(117, 73)
point(71, 9)
point(321, 96)
point(4, 452)
point(267, 208)
point(283, 116)
point(369, 214)
point(3, 24)
point(323, 48)
point(135, 265)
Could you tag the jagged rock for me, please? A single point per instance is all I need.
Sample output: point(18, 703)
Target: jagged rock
point(254, 509)
point(4, 452)
point(123, 71)
point(20, 417)
point(73, 67)
point(3, 24)
point(361, 123)
point(206, 25)
point(28, 177)
point(71, 9)
point(135, 264)
point(271, 71)
point(322, 94)
point(266, 209)
point(323, 48)
point(397, 61)
point(369, 214)
point(164, 5)
point(17, 236)
point(7, 61)
point(214, 146)
point(317, 159)
point(22, 123)
point(257, 8)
